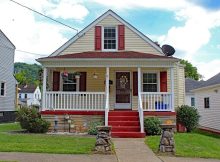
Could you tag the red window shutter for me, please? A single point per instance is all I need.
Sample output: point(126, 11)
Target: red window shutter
point(98, 38)
point(82, 81)
point(121, 37)
point(56, 81)
point(135, 83)
point(163, 81)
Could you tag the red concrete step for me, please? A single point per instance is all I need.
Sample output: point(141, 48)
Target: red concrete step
point(123, 113)
point(125, 129)
point(127, 135)
point(123, 118)
point(124, 123)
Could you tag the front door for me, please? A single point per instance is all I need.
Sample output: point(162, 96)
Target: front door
point(123, 96)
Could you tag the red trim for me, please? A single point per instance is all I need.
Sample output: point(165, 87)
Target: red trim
point(163, 113)
point(163, 81)
point(69, 112)
point(210, 130)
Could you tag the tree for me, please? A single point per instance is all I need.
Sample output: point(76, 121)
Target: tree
point(190, 70)
point(21, 77)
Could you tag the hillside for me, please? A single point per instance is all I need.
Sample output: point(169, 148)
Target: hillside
point(27, 73)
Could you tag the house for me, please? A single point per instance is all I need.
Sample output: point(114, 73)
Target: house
point(207, 101)
point(7, 80)
point(112, 72)
point(190, 84)
point(29, 95)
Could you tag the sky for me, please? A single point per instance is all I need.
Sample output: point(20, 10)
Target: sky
point(192, 27)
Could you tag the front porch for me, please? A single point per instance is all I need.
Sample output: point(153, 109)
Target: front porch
point(109, 88)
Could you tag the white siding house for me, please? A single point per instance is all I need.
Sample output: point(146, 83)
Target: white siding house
point(29, 95)
point(207, 97)
point(7, 80)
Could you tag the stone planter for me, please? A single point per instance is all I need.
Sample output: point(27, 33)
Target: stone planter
point(103, 140)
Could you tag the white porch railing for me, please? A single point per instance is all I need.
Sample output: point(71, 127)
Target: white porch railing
point(156, 101)
point(74, 100)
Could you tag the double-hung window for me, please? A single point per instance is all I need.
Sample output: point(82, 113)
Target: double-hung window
point(206, 102)
point(150, 82)
point(110, 38)
point(192, 101)
point(2, 93)
point(69, 84)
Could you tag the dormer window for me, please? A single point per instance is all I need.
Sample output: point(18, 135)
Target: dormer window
point(110, 38)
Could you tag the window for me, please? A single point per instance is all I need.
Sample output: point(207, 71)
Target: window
point(2, 89)
point(206, 102)
point(109, 38)
point(150, 82)
point(69, 84)
point(192, 101)
point(25, 95)
point(19, 95)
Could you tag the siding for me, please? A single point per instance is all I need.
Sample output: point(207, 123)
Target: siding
point(209, 117)
point(97, 85)
point(7, 103)
point(132, 41)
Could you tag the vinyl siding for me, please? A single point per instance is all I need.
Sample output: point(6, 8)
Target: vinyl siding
point(97, 85)
point(7, 103)
point(209, 117)
point(132, 41)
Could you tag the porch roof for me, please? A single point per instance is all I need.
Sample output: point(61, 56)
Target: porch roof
point(109, 55)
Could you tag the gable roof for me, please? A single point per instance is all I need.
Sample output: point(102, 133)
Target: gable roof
point(95, 22)
point(109, 55)
point(27, 88)
point(1, 33)
point(215, 80)
point(191, 84)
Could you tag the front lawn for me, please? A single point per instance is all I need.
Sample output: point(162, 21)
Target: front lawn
point(42, 143)
point(195, 144)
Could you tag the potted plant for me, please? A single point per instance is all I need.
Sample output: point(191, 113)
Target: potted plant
point(77, 75)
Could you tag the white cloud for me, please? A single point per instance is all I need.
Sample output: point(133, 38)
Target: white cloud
point(27, 33)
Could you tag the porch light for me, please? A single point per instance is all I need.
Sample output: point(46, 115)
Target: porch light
point(95, 76)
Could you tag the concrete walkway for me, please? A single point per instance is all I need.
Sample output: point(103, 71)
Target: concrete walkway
point(181, 159)
point(133, 150)
point(39, 157)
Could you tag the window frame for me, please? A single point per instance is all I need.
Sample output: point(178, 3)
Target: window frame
point(116, 38)
point(4, 89)
point(158, 80)
point(205, 102)
point(62, 84)
point(192, 100)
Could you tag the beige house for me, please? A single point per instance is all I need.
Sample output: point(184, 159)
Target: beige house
point(110, 71)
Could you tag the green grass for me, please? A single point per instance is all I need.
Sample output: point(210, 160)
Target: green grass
point(195, 144)
point(42, 143)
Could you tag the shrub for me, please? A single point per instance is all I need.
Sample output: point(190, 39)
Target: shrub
point(92, 127)
point(152, 126)
point(31, 120)
point(188, 116)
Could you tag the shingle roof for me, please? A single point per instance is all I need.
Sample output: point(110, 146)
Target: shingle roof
point(116, 55)
point(212, 81)
point(191, 84)
point(27, 88)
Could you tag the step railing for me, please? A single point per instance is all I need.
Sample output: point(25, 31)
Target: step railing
point(141, 113)
point(74, 100)
point(156, 101)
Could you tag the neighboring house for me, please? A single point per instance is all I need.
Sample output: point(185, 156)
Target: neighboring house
point(7, 80)
point(190, 84)
point(29, 95)
point(111, 71)
point(207, 101)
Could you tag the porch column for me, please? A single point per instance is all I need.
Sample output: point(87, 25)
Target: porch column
point(106, 95)
point(140, 108)
point(44, 89)
point(172, 89)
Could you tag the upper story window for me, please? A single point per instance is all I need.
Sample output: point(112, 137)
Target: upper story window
point(110, 39)
point(2, 93)
point(192, 101)
point(150, 82)
point(25, 95)
point(19, 95)
point(70, 83)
